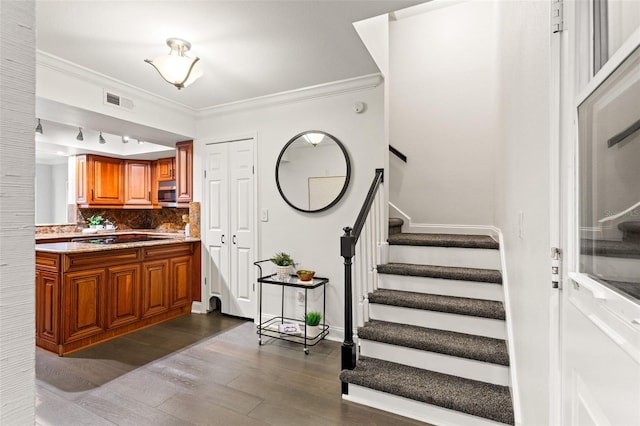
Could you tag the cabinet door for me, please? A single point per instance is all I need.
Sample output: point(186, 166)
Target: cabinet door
point(165, 169)
point(82, 186)
point(184, 172)
point(155, 287)
point(137, 182)
point(47, 306)
point(180, 281)
point(108, 181)
point(123, 288)
point(83, 303)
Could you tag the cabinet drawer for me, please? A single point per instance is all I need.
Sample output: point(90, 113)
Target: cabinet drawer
point(166, 251)
point(104, 258)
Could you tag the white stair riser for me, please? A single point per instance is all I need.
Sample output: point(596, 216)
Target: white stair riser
point(439, 320)
point(417, 410)
point(446, 364)
point(445, 256)
point(444, 287)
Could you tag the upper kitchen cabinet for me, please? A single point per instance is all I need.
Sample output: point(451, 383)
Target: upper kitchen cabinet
point(165, 169)
point(137, 183)
point(184, 173)
point(99, 181)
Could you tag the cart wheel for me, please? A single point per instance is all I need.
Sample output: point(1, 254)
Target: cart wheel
point(306, 351)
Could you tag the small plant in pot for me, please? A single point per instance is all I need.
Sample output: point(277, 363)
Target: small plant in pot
point(284, 263)
point(305, 274)
point(95, 221)
point(312, 321)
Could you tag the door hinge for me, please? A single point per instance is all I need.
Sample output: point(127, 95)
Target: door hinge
point(556, 261)
point(557, 16)
point(253, 170)
point(254, 287)
point(205, 174)
point(205, 281)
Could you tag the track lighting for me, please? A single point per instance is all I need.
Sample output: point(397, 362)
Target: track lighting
point(39, 127)
point(80, 136)
point(125, 139)
point(101, 139)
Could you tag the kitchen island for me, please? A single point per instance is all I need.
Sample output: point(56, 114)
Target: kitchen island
point(109, 285)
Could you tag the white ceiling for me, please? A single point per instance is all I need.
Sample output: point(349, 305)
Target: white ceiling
point(247, 48)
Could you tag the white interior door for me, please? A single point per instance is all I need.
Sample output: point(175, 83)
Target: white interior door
point(599, 324)
point(230, 226)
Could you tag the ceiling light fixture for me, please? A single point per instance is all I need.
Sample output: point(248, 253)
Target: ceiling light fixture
point(39, 127)
point(125, 139)
point(80, 136)
point(101, 139)
point(177, 68)
point(314, 138)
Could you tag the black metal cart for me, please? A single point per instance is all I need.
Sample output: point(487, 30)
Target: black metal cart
point(272, 327)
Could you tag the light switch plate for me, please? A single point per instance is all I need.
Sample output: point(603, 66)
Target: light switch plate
point(264, 215)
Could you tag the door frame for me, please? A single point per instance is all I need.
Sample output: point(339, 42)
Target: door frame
point(200, 145)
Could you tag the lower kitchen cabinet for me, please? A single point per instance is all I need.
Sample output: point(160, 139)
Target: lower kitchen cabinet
point(123, 300)
point(83, 298)
point(155, 287)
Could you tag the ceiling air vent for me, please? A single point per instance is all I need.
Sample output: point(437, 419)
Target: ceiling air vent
point(117, 100)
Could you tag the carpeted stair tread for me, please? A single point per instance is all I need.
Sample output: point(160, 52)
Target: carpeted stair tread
point(630, 230)
point(445, 342)
point(456, 393)
point(445, 272)
point(433, 302)
point(444, 240)
point(629, 249)
point(395, 225)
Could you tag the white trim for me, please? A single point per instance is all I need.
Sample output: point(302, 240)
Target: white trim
point(435, 228)
point(513, 369)
point(306, 93)
point(55, 63)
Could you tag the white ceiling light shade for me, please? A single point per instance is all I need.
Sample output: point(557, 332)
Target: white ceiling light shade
point(177, 68)
point(314, 138)
point(80, 136)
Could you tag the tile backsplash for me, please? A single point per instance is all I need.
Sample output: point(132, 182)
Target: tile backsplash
point(162, 220)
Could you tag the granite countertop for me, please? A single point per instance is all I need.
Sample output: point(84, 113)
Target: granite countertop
point(80, 247)
point(105, 233)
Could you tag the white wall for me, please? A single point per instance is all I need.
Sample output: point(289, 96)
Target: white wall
point(522, 185)
point(311, 238)
point(443, 109)
point(17, 162)
point(44, 194)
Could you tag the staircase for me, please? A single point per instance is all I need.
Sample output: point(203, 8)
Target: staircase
point(434, 347)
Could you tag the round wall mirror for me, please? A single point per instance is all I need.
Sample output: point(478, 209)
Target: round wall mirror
point(313, 171)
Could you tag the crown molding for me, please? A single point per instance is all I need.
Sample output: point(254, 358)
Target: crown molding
point(55, 63)
point(306, 93)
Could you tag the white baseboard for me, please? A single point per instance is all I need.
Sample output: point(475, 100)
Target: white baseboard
point(198, 308)
point(440, 228)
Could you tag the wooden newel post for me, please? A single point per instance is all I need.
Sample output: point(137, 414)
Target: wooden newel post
point(347, 251)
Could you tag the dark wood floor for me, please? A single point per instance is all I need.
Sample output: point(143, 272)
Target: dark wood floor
point(198, 370)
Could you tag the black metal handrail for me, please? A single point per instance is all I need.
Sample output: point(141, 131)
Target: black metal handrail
point(397, 153)
point(347, 251)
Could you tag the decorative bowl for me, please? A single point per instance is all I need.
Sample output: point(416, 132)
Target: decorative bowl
point(305, 275)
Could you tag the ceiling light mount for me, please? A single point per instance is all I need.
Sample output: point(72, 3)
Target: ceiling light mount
point(176, 67)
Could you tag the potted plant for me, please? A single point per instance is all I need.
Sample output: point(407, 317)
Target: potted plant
point(305, 274)
point(95, 222)
point(284, 262)
point(312, 321)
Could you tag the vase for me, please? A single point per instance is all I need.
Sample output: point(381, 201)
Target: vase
point(283, 273)
point(313, 331)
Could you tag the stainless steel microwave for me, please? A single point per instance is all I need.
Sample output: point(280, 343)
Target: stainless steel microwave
point(167, 193)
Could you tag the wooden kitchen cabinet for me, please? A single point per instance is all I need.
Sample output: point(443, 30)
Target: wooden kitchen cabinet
point(122, 302)
point(155, 287)
point(47, 316)
point(165, 169)
point(99, 181)
point(137, 183)
point(84, 304)
point(180, 281)
point(184, 173)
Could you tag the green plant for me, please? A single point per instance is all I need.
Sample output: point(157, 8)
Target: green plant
point(313, 318)
point(95, 220)
point(282, 259)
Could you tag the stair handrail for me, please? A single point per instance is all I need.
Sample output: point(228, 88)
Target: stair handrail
point(347, 251)
point(397, 153)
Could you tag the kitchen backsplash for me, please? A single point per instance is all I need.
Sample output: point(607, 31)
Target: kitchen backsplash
point(161, 220)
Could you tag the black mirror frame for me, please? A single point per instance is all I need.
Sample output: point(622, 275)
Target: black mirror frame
point(346, 180)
